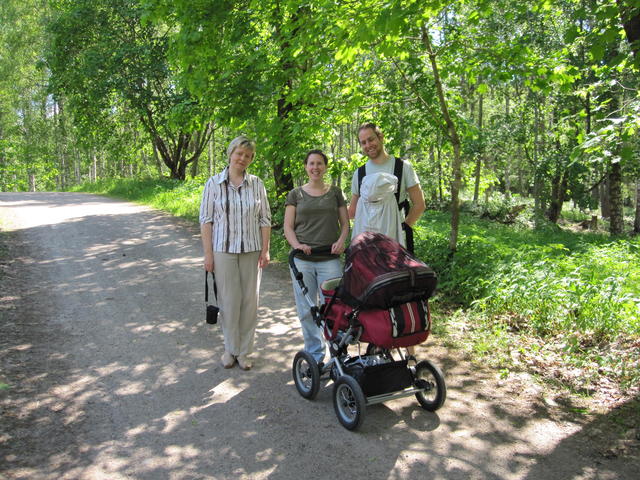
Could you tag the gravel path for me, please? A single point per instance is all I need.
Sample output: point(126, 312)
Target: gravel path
point(113, 374)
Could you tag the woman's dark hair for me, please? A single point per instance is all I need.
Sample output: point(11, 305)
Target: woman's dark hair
point(316, 152)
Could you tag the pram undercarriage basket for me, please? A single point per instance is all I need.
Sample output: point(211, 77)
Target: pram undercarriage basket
point(385, 371)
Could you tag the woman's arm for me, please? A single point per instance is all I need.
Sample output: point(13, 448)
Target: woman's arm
point(206, 233)
point(264, 259)
point(289, 233)
point(343, 217)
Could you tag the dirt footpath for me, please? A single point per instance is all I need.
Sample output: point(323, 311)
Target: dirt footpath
point(108, 371)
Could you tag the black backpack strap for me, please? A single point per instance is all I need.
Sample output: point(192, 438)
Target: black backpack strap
point(398, 169)
point(397, 172)
point(408, 235)
point(408, 231)
point(362, 171)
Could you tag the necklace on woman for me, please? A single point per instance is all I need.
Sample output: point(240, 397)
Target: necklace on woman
point(236, 178)
point(316, 188)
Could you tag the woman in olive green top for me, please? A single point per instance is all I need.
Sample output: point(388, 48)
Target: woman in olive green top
point(315, 216)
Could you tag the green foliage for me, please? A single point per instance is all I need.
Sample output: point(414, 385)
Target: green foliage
point(108, 63)
point(498, 207)
point(540, 282)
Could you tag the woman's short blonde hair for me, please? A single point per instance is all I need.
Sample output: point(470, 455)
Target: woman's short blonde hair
point(240, 141)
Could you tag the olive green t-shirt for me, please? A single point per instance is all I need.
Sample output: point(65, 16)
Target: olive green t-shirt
point(317, 221)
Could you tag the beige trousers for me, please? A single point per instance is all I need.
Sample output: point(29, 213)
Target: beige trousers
point(238, 281)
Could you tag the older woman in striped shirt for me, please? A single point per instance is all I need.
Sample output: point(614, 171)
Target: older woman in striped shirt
point(235, 223)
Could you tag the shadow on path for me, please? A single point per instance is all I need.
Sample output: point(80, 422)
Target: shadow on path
point(113, 373)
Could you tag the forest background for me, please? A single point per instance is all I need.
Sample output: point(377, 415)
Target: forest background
point(521, 119)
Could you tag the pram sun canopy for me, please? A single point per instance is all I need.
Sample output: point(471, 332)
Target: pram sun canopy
point(381, 273)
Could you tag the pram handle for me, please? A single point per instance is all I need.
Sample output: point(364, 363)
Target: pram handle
point(299, 278)
point(296, 273)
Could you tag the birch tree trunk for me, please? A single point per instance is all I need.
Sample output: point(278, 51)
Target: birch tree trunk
point(476, 189)
point(616, 226)
point(452, 132)
point(636, 222)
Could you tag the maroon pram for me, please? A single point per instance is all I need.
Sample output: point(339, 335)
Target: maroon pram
point(381, 300)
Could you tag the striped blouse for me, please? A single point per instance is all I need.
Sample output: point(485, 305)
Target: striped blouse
point(237, 213)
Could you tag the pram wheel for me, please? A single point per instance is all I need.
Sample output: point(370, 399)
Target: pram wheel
point(430, 380)
point(349, 402)
point(306, 375)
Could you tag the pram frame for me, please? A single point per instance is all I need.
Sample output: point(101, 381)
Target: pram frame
point(336, 370)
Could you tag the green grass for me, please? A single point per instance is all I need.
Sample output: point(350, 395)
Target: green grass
point(511, 295)
point(543, 281)
point(179, 198)
point(559, 300)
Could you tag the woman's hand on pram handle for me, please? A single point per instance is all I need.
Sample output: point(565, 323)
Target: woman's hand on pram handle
point(316, 250)
point(307, 250)
point(304, 248)
point(296, 273)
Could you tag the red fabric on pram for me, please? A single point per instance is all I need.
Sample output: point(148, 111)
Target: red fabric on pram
point(401, 326)
point(380, 274)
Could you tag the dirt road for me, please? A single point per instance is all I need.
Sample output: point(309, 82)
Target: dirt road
point(110, 372)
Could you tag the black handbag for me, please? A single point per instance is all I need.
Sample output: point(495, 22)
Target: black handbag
point(212, 310)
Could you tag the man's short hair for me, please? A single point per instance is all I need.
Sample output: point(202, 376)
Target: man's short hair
point(372, 126)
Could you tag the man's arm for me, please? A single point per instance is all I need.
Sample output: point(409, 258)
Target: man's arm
point(417, 205)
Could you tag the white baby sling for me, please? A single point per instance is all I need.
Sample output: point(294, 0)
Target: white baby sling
point(377, 209)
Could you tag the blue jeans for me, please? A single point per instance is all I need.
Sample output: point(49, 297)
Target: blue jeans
point(313, 274)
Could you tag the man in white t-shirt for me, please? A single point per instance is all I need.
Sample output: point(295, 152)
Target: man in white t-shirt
point(372, 144)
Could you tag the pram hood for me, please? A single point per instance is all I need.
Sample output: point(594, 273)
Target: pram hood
point(381, 273)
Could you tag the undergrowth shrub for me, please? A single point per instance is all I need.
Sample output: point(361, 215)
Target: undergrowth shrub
point(499, 208)
point(592, 291)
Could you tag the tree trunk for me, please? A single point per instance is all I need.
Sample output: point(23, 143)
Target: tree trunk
point(630, 18)
point(476, 189)
point(507, 163)
point(636, 222)
point(156, 157)
point(194, 166)
point(537, 182)
point(605, 206)
point(616, 225)
point(174, 151)
point(77, 165)
point(212, 159)
point(558, 192)
point(432, 158)
point(452, 132)
point(93, 175)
